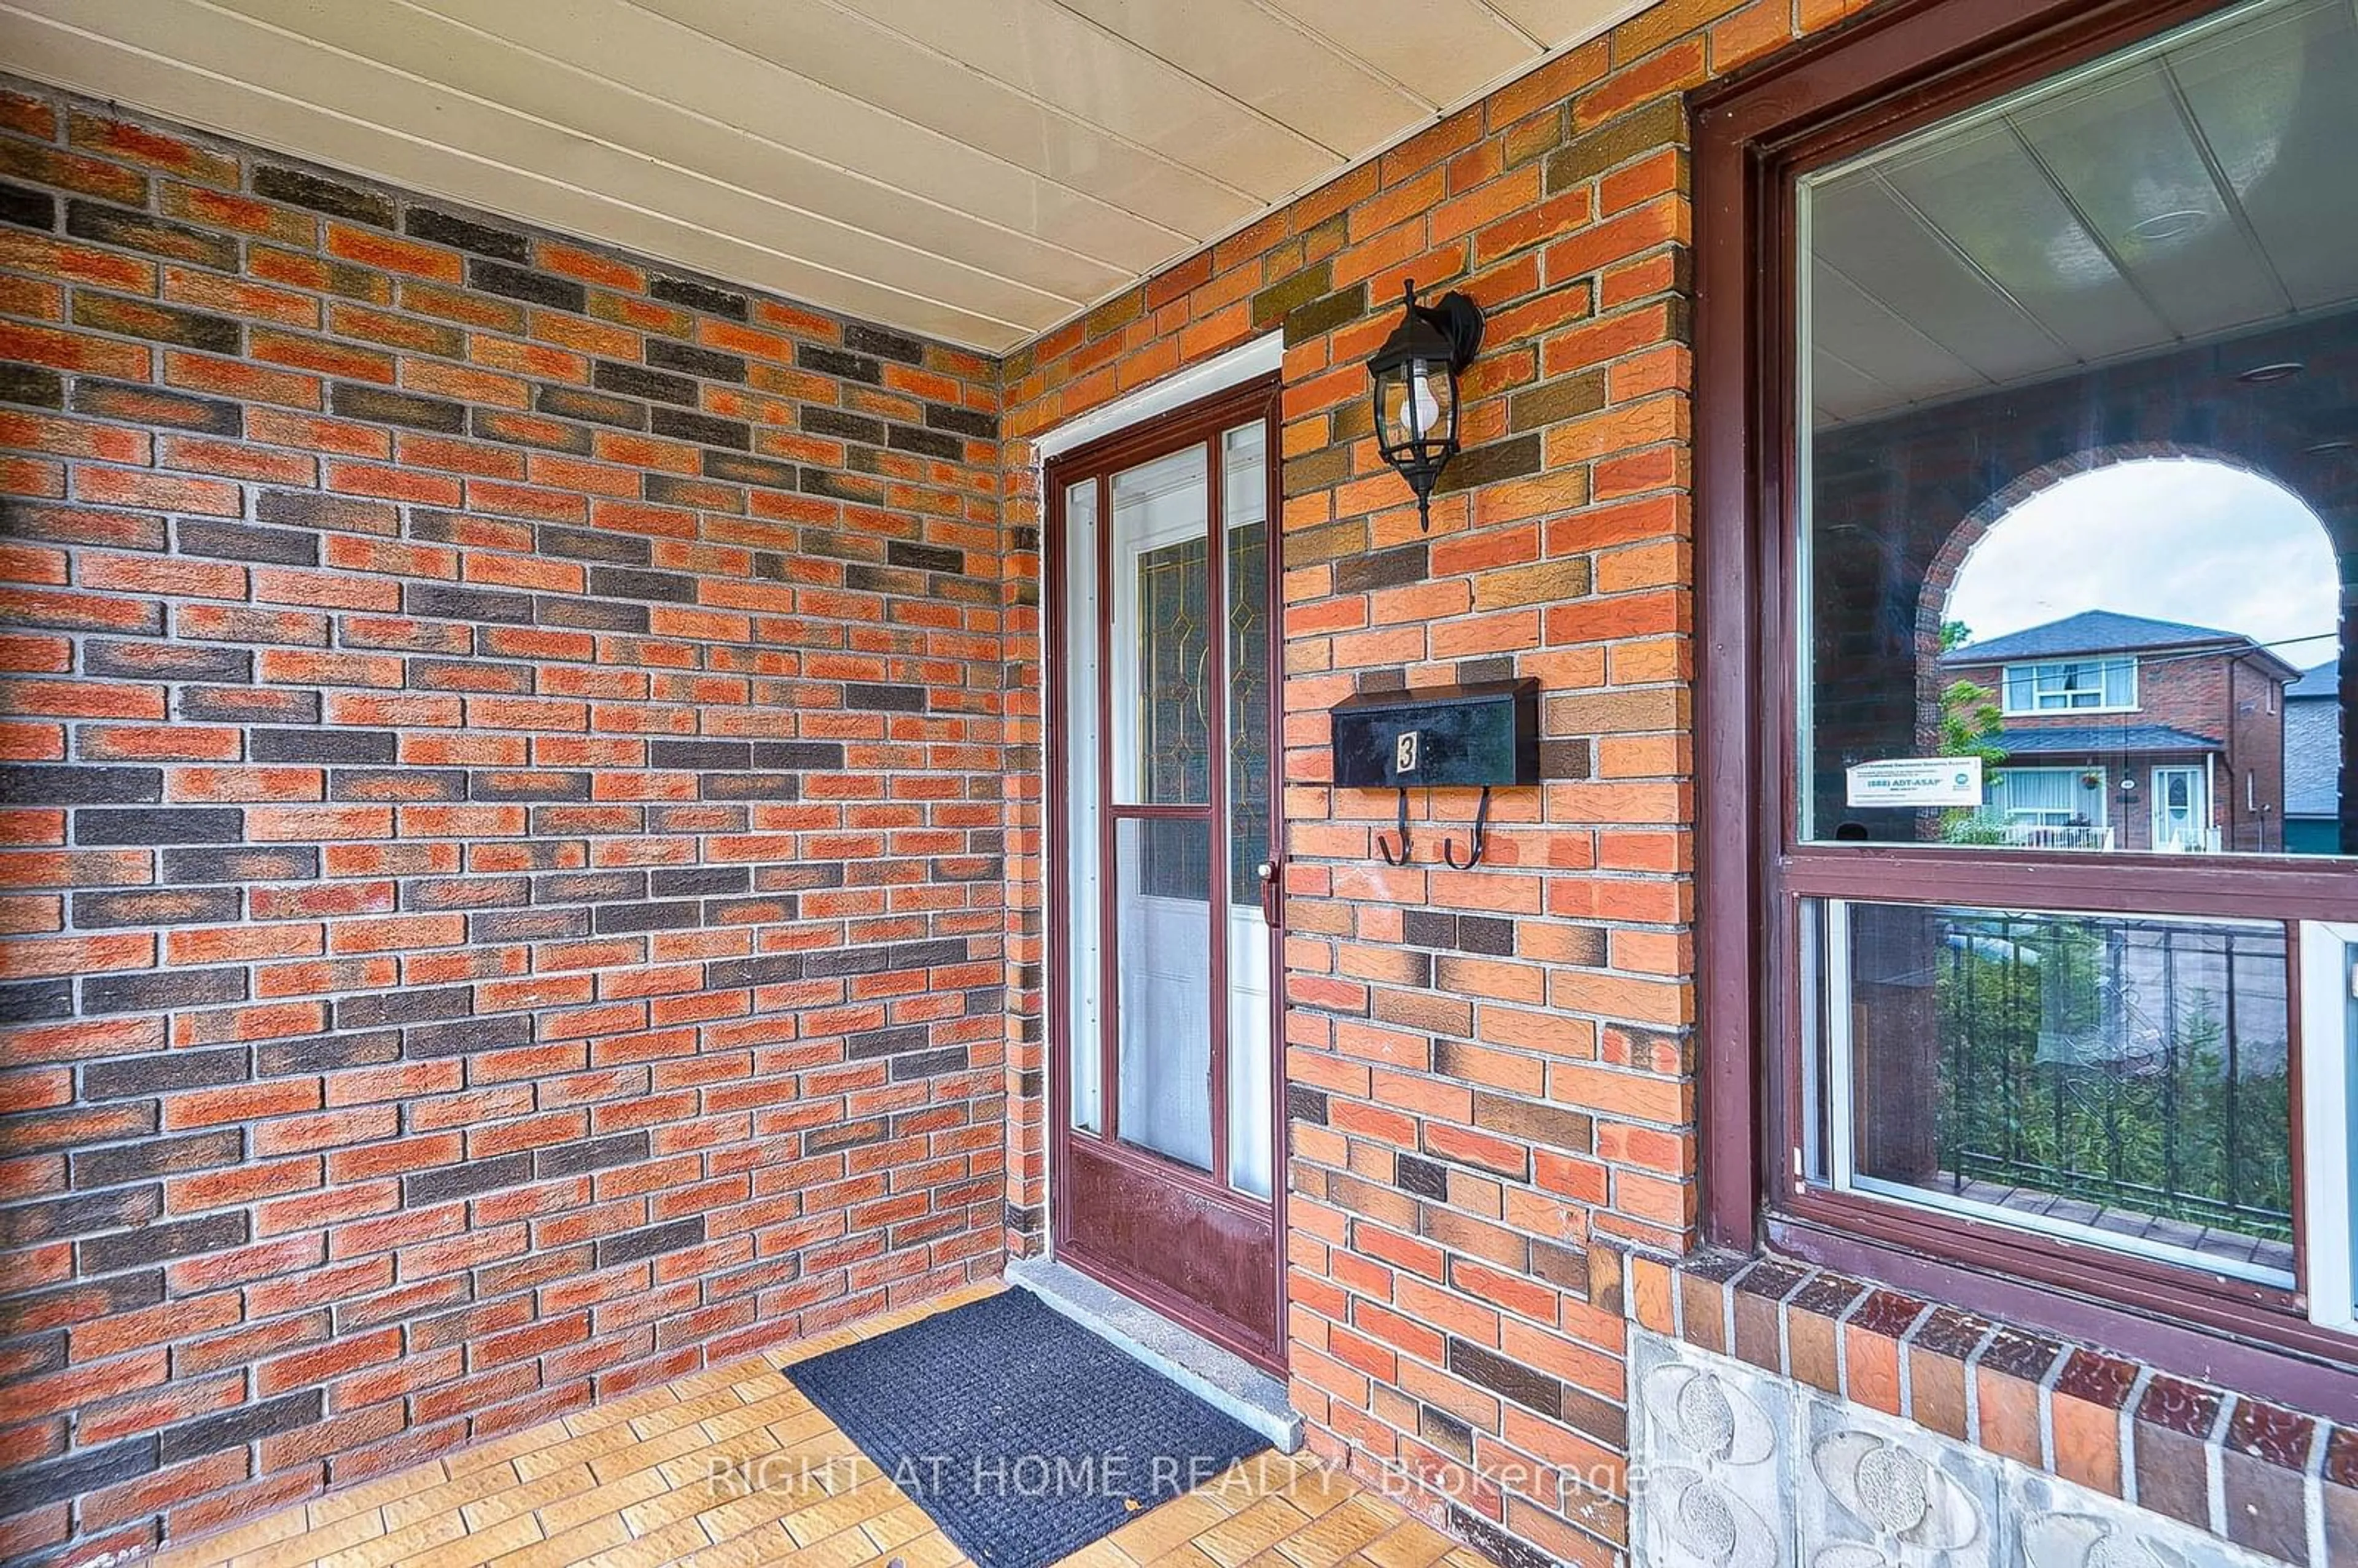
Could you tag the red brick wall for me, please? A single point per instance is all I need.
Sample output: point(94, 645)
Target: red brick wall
point(504, 796)
point(1489, 1068)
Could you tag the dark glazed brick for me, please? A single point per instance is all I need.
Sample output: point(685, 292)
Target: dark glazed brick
point(665, 354)
point(586, 1154)
point(244, 1424)
point(1528, 1388)
point(326, 1053)
point(28, 209)
point(467, 1036)
point(32, 386)
point(376, 1010)
point(594, 545)
point(1425, 1178)
point(1888, 1313)
point(1306, 1105)
point(633, 1245)
point(571, 403)
point(843, 366)
point(301, 190)
point(152, 1157)
point(163, 825)
point(160, 1243)
point(843, 426)
point(31, 784)
point(448, 602)
point(861, 338)
point(2266, 1509)
point(443, 229)
point(805, 755)
point(929, 1064)
point(245, 863)
point(517, 283)
point(623, 582)
point(153, 993)
point(349, 746)
point(1385, 568)
point(685, 427)
point(166, 661)
point(932, 443)
point(698, 296)
point(447, 1183)
point(970, 422)
point(374, 403)
point(162, 323)
point(36, 1001)
point(738, 470)
point(1322, 316)
point(632, 381)
point(733, 974)
point(80, 1474)
point(236, 542)
point(888, 698)
point(121, 1077)
point(139, 231)
point(1487, 464)
point(158, 906)
point(154, 405)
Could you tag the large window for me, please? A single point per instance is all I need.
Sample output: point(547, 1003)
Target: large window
point(2087, 685)
point(2037, 413)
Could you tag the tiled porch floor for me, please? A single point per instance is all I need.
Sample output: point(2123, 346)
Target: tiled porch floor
point(626, 1484)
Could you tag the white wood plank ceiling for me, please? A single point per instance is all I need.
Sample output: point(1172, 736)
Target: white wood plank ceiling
point(2190, 192)
point(977, 170)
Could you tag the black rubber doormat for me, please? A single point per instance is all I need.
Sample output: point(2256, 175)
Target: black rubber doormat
point(1024, 1435)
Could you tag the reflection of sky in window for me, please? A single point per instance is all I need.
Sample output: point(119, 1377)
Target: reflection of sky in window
point(2173, 539)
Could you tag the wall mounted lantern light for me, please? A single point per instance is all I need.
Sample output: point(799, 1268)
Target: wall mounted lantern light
point(1416, 390)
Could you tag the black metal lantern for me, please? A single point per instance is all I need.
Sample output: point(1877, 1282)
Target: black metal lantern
point(1415, 389)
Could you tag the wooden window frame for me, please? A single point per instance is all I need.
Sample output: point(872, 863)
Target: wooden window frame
point(1894, 70)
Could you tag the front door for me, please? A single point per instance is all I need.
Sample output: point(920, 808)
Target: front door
point(1163, 888)
point(2181, 816)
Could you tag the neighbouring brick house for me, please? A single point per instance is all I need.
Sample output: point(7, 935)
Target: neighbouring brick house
point(2124, 731)
point(534, 840)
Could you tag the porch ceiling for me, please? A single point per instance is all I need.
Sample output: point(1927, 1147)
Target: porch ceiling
point(977, 170)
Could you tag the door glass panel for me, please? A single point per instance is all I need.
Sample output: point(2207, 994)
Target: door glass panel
point(1163, 958)
point(2065, 459)
point(1244, 507)
point(2118, 1079)
point(1078, 672)
point(1164, 618)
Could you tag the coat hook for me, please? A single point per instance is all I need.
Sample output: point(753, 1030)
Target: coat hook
point(1385, 849)
point(1481, 822)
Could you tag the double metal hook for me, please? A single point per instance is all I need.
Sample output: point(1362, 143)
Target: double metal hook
point(1448, 845)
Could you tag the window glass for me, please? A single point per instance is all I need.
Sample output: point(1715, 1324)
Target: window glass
point(2120, 1080)
point(2075, 377)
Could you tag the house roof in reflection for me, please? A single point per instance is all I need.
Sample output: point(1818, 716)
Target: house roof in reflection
point(2090, 632)
point(2100, 739)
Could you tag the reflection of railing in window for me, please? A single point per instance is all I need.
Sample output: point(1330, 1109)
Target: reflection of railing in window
point(2038, 836)
point(2127, 1073)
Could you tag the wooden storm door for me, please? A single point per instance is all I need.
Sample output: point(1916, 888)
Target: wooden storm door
point(1164, 846)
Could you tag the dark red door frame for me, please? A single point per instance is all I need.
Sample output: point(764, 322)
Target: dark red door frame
point(1083, 1165)
point(1900, 67)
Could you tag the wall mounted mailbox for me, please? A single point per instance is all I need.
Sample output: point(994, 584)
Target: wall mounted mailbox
point(1480, 736)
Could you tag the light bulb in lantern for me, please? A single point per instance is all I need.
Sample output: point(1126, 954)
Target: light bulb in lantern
point(1424, 409)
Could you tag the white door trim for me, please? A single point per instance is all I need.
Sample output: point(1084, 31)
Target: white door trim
point(1238, 366)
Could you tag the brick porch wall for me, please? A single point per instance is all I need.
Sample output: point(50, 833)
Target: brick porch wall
point(1487, 1069)
point(504, 795)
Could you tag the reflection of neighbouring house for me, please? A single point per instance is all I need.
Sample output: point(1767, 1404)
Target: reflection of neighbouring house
point(2125, 733)
point(2312, 766)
